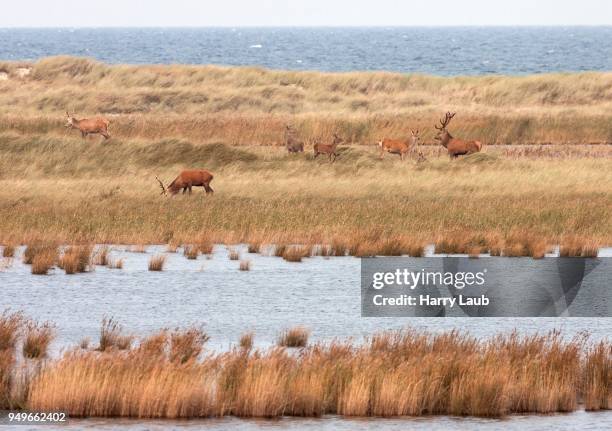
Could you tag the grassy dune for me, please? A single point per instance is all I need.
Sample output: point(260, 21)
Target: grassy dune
point(245, 105)
point(55, 186)
point(169, 374)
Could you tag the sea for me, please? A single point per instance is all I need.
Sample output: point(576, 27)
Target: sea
point(445, 51)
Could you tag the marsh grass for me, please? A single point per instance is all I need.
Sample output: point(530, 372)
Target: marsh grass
point(38, 337)
point(404, 373)
point(191, 252)
point(156, 263)
point(245, 265)
point(577, 247)
point(246, 340)
point(76, 259)
point(111, 336)
point(233, 254)
point(44, 260)
point(295, 253)
point(294, 337)
point(114, 263)
point(101, 256)
point(8, 250)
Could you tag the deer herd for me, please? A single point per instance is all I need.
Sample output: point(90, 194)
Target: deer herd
point(201, 178)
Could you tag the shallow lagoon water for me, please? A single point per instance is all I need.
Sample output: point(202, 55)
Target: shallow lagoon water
point(322, 294)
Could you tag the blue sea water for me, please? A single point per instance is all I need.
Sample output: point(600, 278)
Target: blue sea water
point(429, 50)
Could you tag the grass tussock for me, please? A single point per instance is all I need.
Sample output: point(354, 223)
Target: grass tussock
point(101, 256)
point(76, 259)
point(405, 373)
point(598, 378)
point(114, 263)
point(245, 265)
point(44, 260)
point(8, 250)
point(156, 263)
point(295, 253)
point(233, 254)
point(246, 340)
point(576, 247)
point(38, 338)
point(294, 337)
point(191, 252)
point(112, 337)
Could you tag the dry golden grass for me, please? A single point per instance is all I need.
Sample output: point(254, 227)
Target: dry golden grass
point(38, 337)
point(8, 250)
point(76, 259)
point(191, 252)
point(156, 263)
point(112, 338)
point(101, 256)
point(295, 253)
point(246, 340)
point(294, 337)
point(114, 263)
point(392, 374)
point(161, 123)
point(576, 247)
point(43, 262)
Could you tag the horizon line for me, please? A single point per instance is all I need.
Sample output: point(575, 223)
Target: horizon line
point(303, 26)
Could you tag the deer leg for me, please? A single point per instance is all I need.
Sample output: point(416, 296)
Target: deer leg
point(316, 155)
point(83, 134)
point(208, 189)
point(189, 188)
point(106, 135)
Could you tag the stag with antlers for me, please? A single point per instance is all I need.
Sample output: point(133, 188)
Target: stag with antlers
point(455, 147)
point(186, 180)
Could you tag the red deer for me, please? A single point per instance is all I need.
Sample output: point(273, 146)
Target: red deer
point(293, 144)
point(186, 180)
point(89, 126)
point(400, 148)
point(456, 147)
point(329, 149)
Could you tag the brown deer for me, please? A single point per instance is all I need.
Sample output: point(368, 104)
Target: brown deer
point(88, 126)
point(455, 147)
point(398, 147)
point(329, 149)
point(186, 180)
point(293, 144)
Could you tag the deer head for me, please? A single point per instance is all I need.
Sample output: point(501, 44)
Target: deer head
point(337, 140)
point(443, 136)
point(416, 137)
point(69, 121)
point(164, 191)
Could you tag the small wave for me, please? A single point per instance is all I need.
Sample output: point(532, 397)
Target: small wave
point(255, 46)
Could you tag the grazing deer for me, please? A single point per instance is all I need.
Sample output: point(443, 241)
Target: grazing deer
point(88, 126)
point(400, 148)
point(293, 144)
point(329, 149)
point(455, 147)
point(186, 180)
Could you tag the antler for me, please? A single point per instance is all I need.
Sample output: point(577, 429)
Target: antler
point(446, 120)
point(161, 185)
